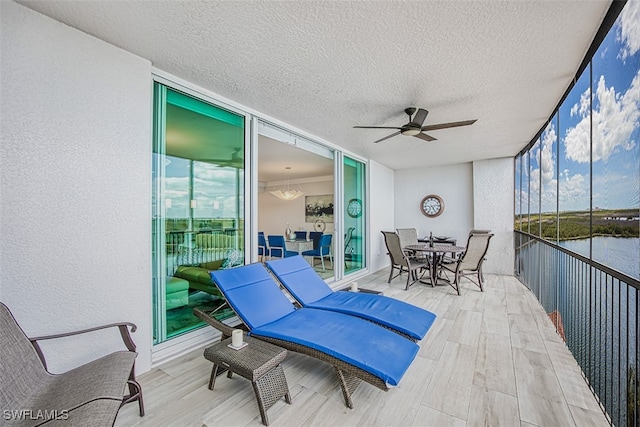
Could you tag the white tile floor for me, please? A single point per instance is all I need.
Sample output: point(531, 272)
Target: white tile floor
point(490, 359)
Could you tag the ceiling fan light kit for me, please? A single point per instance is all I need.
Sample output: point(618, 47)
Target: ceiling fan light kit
point(415, 126)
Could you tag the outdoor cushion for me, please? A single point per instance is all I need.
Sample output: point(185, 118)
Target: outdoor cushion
point(308, 288)
point(258, 301)
point(366, 345)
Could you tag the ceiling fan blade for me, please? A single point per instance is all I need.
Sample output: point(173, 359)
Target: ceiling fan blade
point(425, 137)
point(449, 125)
point(377, 127)
point(419, 118)
point(387, 137)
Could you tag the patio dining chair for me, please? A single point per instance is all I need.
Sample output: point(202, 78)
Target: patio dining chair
point(415, 267)
point(90, 394)
point(469, 265)
point(409, 236)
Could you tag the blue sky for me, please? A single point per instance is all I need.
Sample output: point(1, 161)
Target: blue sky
point(614, 117)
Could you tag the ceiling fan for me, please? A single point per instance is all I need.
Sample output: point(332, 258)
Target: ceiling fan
point(235, 161)
point(415, 128)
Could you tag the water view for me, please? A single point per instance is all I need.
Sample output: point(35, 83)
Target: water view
point(621, 254)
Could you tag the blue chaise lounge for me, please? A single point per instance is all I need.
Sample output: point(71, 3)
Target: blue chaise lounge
point(359, 350)
point(308, 288)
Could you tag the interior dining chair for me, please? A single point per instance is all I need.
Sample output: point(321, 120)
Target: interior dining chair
point(315, 238)
point(469, 265)
point(278, 247)
point(415, 267)
point(301, 235)
point(263, 249)
point(323, 250)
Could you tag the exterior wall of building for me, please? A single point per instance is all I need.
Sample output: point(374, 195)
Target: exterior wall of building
point(453, 183)
point(75, 181)
point(493, 184)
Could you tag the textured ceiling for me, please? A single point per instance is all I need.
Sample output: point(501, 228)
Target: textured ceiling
point(325, 66)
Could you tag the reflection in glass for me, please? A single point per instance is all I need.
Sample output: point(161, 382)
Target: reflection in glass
point(198, 203)
point(549, 181)
point(534, 189)
point(518, 193)
point(354, 215)
point(573, 163)
point(616, 148)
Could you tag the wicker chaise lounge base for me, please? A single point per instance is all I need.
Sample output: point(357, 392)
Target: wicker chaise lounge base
point(349, 376)
point(90, 394)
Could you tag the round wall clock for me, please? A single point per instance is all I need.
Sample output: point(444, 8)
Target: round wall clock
point(354, 208)
point(432, 206)
point(319, 225)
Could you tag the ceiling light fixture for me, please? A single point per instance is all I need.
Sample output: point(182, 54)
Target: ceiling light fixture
point(288, 194)
point(410, 131)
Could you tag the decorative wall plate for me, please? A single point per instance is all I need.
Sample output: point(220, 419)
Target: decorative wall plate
point(319, 225)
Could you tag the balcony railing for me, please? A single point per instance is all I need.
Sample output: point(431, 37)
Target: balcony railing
point(195, 247)
point(595, 309)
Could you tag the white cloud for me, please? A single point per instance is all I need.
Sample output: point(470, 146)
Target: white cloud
point(613, 123)
point(573, 192)
point(629, 29)
point(547, 156)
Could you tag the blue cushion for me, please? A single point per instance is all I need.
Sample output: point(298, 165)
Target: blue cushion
point(258, 301)
point(253, 294)
point(308, 288)
point(370, 347)
point(300, 279)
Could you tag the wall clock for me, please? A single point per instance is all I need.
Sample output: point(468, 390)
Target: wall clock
point(432, 206)
point(354, 208)
point(319, 225)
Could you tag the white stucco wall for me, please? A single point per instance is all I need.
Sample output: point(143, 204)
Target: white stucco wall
point(454, 183)
point(493, 189)
point(75, 181)
point(381, 212)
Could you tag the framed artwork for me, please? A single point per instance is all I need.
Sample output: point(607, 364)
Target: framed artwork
point(318, 207)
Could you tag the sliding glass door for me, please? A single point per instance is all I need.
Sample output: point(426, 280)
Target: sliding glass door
point(198, 205)
point(354, 203)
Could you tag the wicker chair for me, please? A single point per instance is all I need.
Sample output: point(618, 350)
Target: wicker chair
point(415, 267)
point(90, 394)
point(469, 265)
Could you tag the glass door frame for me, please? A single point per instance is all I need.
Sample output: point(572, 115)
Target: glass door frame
point(167, 349)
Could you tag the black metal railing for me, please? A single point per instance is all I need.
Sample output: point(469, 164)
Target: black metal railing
point(595, 309)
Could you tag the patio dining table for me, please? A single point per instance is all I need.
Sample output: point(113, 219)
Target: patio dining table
point(436, 253)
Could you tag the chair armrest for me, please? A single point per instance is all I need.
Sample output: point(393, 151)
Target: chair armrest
point(124, 333)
